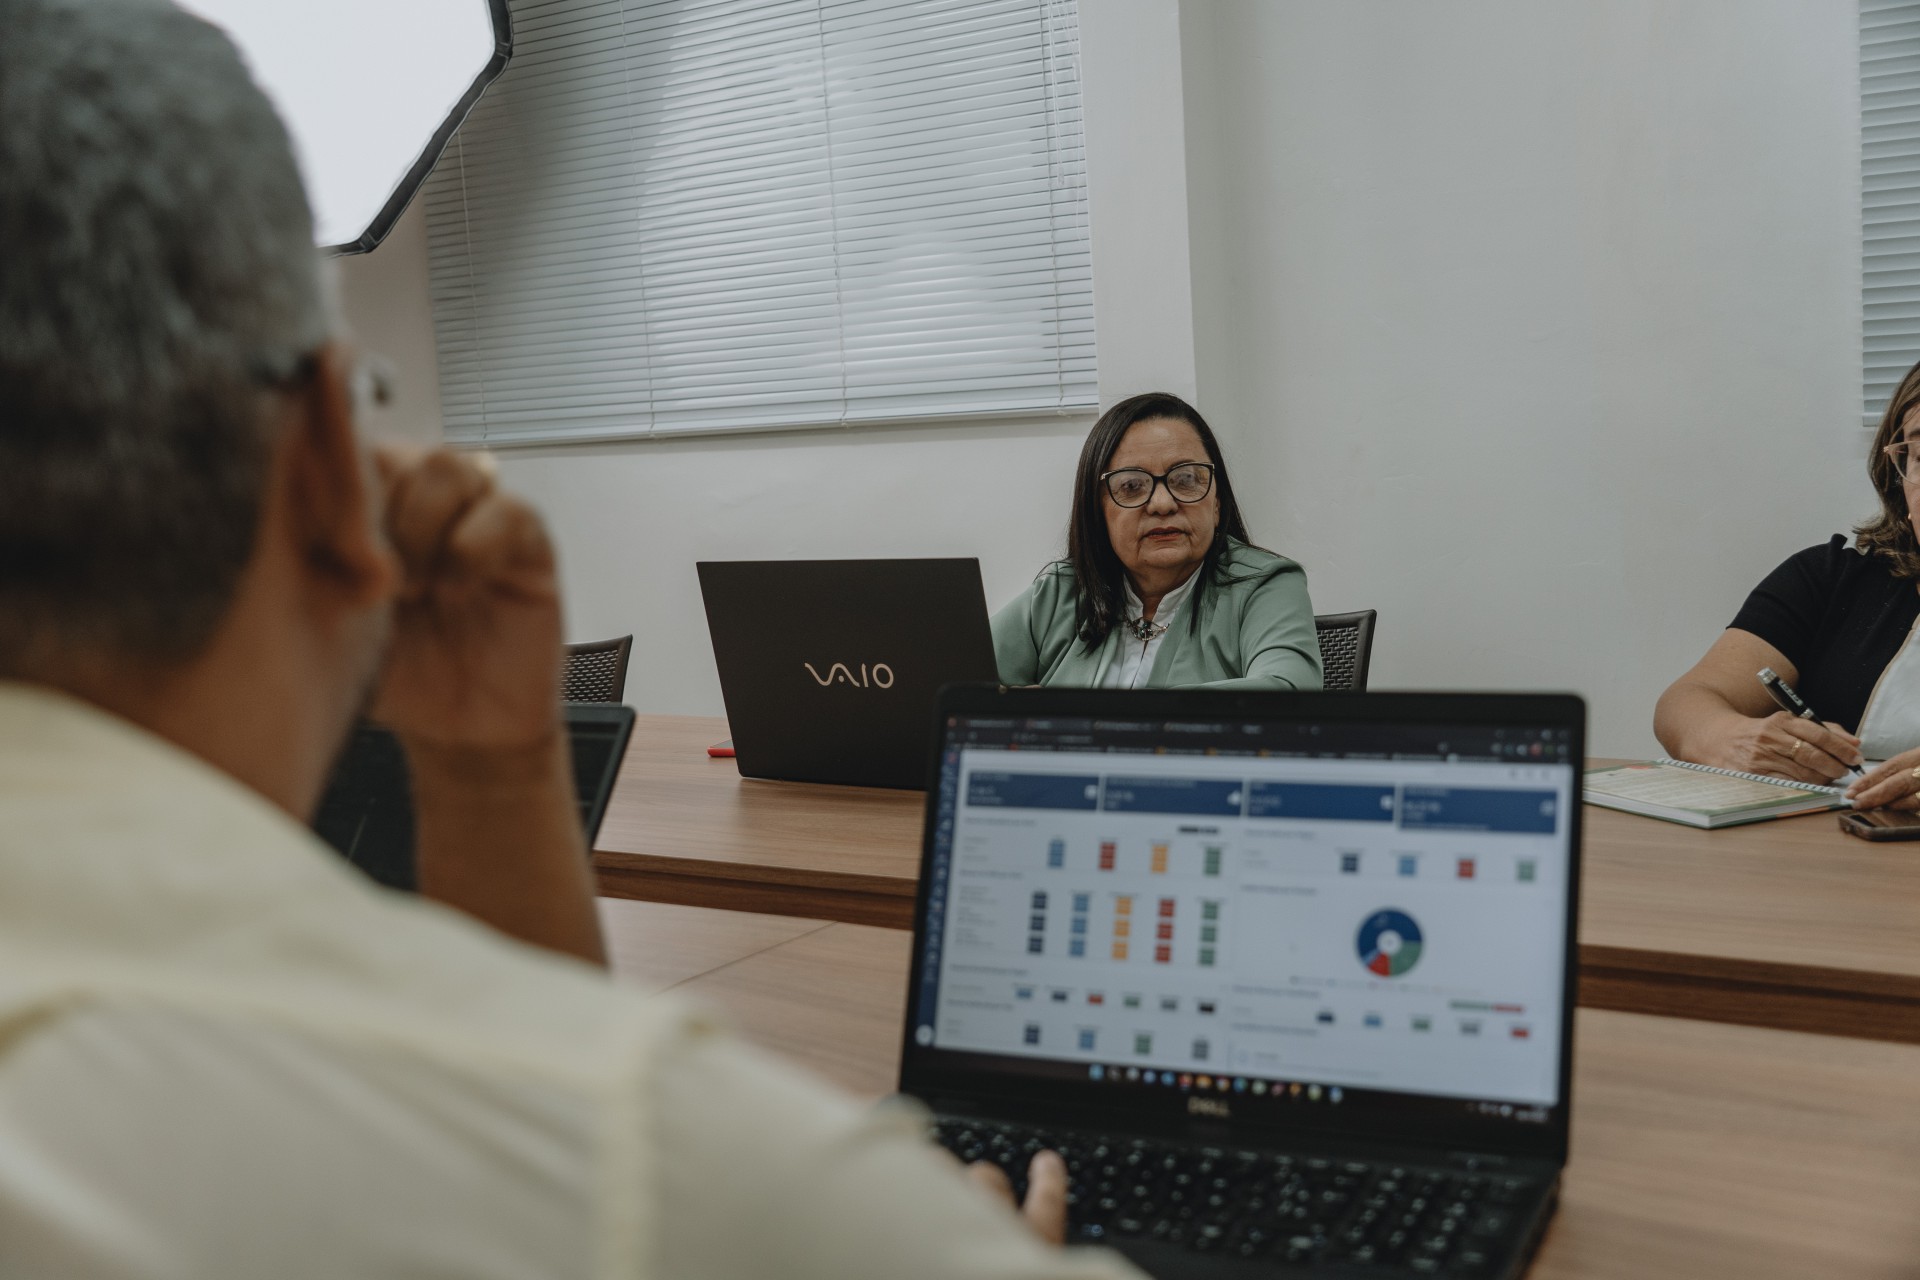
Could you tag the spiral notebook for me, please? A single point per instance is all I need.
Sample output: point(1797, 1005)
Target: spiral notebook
point(1700, 796)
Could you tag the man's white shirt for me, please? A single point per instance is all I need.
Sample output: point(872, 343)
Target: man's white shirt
point(225, 1054)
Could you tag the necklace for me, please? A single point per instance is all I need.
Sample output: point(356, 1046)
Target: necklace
point(1145, 630)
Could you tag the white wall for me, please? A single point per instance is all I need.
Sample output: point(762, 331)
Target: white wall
point(384, 297)
point(1539, 324)
point(632, 519)
point(1533, 326)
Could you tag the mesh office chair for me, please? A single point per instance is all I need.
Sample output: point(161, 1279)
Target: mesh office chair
point(1346, 643)
point(597, 672)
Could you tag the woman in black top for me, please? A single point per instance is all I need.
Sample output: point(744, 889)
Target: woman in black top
point(1837, 622)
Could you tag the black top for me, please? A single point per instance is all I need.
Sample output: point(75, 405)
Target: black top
point(1839, 616)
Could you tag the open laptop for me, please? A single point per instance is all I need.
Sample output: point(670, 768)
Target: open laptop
point(1288, 978)
point(367, 810)
point(829, 667)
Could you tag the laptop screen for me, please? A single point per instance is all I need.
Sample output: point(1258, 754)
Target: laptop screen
point(366, 811)
point(1298, 914)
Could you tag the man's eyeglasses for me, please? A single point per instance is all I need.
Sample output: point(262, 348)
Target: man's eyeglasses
point(1133, 486)
point(370, 382)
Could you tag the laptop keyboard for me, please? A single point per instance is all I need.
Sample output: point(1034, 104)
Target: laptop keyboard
point(1250, 1204)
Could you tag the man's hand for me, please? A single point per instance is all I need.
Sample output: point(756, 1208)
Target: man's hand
point(472, 688)
point(1045, 1209)
point(475, 656)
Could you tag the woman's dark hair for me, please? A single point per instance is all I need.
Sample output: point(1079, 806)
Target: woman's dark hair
point(1889, 534)
point(1099, 578)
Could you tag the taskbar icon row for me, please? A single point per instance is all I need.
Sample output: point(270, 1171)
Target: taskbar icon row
point(1191, 1082)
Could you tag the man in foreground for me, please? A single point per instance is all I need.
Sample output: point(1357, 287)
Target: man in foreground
point(223, 1053)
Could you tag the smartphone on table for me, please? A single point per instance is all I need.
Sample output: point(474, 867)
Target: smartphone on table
point(1881, 824)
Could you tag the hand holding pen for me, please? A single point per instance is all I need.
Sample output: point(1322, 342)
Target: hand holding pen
point(1825, 750)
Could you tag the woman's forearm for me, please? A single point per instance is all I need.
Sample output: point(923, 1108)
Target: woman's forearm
point(1692, 721)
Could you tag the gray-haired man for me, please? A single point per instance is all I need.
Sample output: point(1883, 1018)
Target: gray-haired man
point(222, 1054)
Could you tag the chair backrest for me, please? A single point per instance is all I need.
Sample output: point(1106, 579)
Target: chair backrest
point(1346, 642)
point(597, 672)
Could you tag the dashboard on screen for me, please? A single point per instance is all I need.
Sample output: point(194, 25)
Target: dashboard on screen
point(1359, 917)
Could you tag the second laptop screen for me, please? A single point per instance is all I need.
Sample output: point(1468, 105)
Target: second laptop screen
point(1362, 907)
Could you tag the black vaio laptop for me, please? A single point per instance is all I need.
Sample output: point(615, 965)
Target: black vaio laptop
point(829, 667)
point(1288, 978)
point(367, 810)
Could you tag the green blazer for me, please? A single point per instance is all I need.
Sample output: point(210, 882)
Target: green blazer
point(1255, 632)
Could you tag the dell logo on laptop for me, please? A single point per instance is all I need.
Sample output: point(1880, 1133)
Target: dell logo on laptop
point(879, 676)
point(1209, 1107)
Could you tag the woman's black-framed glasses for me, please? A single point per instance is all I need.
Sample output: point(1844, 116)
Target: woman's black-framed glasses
point(1133, 486)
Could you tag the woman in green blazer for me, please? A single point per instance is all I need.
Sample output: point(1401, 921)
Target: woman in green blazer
point(1161, 587)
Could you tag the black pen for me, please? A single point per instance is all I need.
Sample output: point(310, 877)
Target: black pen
point(1793, 704)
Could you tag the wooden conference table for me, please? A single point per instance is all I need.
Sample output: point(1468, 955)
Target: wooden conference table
point(1699, 1150)
point(1785, 924)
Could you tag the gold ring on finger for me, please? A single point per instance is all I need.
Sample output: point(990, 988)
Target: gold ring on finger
point(1797, 744)
point(1914, 773)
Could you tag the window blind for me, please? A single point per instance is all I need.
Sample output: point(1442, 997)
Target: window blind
point(675, 216)
point(1889, 196)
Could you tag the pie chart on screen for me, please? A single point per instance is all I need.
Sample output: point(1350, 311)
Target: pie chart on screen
point(1389, 943)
